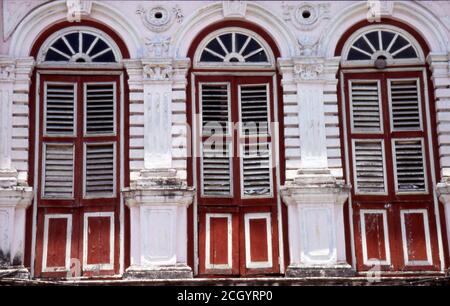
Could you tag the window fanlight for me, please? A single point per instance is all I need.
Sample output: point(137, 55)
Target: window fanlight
point(79, 46)
point(234, 47)
point(381, 46)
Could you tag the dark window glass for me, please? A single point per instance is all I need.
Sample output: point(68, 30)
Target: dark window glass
point(362, 44)
point(386, 38)
point(356, 55)
point(258, 57)
point(105, 58)
point(52, 56)
point(252, 46)
point(407, 53)
point(399, 43)
point(208, 57)
point(215, 46)
point(73, 40)
point(240, 41)
point(373, 38)
point(88, 39)
point(60, 45)
point(226, 39)
point(99, 46)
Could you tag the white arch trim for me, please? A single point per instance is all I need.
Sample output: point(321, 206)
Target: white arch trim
point(413, 14)
point(50, 13)
point(205, 16)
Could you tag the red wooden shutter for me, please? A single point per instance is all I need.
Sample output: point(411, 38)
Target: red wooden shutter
point(58, 171)
point(60, 110)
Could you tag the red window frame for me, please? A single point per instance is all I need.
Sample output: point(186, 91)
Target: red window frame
point(236, 205)
point(79, 206)
point(79, 140)
point(393, 203)
point(236, 199)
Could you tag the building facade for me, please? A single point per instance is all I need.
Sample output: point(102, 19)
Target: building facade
point(185, 139)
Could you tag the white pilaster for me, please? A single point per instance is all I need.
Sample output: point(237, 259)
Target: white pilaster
point(14, 199)
point(7, 76)
point(312, 76)
point(314, 197)
point(439, 66)
point(157, 198)
point(157, 113)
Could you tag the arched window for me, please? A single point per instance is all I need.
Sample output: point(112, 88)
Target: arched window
point(393, 44)
point(234, 166)
point(386, 117)
point(79, 45)
point(79, 131)
point(234, 47)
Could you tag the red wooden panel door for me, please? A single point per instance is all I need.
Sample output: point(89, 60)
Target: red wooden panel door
point(78, 177)
point(392, 198)
point(236, 179)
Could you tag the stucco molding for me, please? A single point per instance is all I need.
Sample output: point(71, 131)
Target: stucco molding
point(306, 16)
point(160, 17)
point(7, 69)
point(410, 12)
point(53, 12)
point(157, 70)
point(158, 196)
point(234, 8)
point(256, 13)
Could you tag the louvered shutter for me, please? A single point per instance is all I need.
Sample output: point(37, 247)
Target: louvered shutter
point(215, 108)
point(59, 112)
point(216, 169)
point(369, 167)
point(409, 165)
point(100, 108)
point(256, 169)
point(58, 171)
point(365, 106)
point(254, 109)
point(100, 170)
point(405, 106)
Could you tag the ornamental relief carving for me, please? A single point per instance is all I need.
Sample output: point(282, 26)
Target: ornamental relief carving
point(78, 8)
point(158, 46)
point(309, 45)
point(306, 15)
point(378, 9)
point(159, 18)
point(6, 72)
point(158, 72)
point(234, 8)
point(308, 71)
